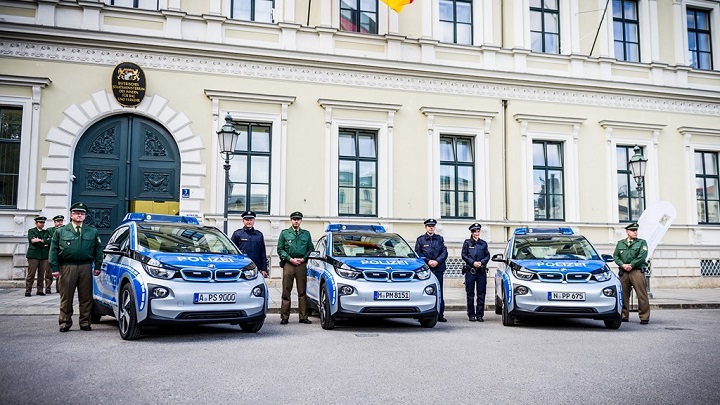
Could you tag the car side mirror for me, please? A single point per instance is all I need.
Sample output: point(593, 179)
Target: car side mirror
point(607, 258)
point(112, 249)
point(498, 258)
point(315, 255)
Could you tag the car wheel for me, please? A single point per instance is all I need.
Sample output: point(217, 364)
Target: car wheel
point(507, 319)
point(127, 317)
point(498, 305)
point(326, 319)
point(613, 323)
point(251, 327)
point(429, 322)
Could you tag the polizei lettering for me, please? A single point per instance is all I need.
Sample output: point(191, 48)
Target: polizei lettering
point(385, 261)
point(563, 264)
point(206, 259)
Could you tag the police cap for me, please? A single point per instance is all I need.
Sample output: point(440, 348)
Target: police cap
point(430, 222)
point(59, 218)
point(40, 219)
point(633, 226)
point(296, 215)
point(475, 227)
point(78, 206)
point(248, 214)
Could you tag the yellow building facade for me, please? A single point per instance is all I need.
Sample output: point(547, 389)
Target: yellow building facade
point(505, 112)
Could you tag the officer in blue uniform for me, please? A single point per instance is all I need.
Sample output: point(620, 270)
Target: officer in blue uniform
point(476, 255)
point(251, 241)
point(432, 247)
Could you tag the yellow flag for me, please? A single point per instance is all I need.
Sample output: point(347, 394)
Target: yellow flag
point(397, 5)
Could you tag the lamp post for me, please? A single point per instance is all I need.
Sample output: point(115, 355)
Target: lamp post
point(227, 139)
point(638, 164)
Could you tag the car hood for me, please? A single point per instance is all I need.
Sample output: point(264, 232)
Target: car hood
point(201, 260)
point(562, 265)
point(382, 263)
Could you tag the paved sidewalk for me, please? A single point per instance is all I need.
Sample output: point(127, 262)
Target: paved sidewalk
point(14, 302)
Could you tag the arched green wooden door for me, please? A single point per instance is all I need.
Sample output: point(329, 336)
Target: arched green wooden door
point(122, 159)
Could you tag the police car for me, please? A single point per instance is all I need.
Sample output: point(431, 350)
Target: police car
point(553, 272)
point(162, 269)
point(362, 271)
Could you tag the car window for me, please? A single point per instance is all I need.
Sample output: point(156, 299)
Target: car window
point(120, 238)
point(176, 238)
point(553, 247)
point(321, 246)
point(357, 244)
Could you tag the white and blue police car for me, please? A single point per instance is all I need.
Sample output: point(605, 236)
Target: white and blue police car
point(163, 269)
point(361, 271)
point(554, 272)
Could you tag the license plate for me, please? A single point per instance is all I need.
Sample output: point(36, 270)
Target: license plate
point(214, 298)
point(392, 295)
point(566, 296)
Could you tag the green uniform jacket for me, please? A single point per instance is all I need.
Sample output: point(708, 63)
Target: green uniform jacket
point(634, 255)
point(67, 247)
point(293, 246)
point(38, 250)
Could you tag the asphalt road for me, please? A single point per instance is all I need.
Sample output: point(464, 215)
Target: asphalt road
point(673, 360)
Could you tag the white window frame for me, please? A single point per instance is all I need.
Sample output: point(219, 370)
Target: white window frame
point(569, 28)
point(690, 148)
point(645, 28)
point(330, 17)
point(530, 131)
point(682, 53)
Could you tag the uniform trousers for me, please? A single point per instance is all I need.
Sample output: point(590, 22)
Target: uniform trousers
point(39, 266)
point(473, 282)
point(75, 276)
point(636, 279)
point(49, 279)
point(439, 276)
point(299, 275)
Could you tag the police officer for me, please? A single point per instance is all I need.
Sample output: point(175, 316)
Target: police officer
point(631, 255)
point(431, 247)
point(37, 256)
point(251, 241)
point(476, 256)
point(294, 247)
point(76, 253)
point(57, 222)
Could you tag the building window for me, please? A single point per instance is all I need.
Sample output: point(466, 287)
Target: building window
point(699, 39)
point(10, 130)
point(359, 16)
point(252, 10)
point(457, 177)
point(630, 203)
point(706, 187)
point(548, 183)
point(456, 21)
point(545, 26)
point(250, 169)
point(141, 4)
point(626, 30)
point(357, 172)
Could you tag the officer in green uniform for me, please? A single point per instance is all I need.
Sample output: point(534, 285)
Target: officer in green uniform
point(294, 247)
point(76, 254)
point(631, 255)
point(57, 222)
point(37, 256)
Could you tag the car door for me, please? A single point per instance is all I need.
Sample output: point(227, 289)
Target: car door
point(315, 269)
point(117, 249)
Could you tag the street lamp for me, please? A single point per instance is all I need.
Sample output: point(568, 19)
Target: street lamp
point(227, 139)
point(638, 164)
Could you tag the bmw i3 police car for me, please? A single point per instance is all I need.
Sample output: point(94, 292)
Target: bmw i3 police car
point(161, 269)
point(362, 271)
point(553, 272)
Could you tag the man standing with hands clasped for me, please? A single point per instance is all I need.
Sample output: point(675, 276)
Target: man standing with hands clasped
point(476, 256)
point(631, 254)
point(432, 248)
point(252, 242)
point(294, 247)
point(76, 254)
point(37, 256)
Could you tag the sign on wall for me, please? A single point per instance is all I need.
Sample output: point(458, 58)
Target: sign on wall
point(128, 84)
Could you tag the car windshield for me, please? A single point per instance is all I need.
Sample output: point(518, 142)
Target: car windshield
point(180, 238)
point(356, 244)
point(553, 247)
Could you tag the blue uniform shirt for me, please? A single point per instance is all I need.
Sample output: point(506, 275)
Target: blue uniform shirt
point(252, 242)
point(432, 248)
point(475, 251)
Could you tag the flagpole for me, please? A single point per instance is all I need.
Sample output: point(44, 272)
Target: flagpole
point(308, 14)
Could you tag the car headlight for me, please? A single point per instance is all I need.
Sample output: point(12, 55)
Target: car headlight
point(156, 269)
point(346, 271)
point(603, 276)
point(250, 271)
point(423, 273)
point(523, 274)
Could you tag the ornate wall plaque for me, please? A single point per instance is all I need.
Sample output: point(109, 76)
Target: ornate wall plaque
point(128, 84)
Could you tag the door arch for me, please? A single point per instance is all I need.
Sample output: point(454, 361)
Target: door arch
point(120, 160)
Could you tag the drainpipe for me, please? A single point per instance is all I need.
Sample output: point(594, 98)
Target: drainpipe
point(504, 167)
